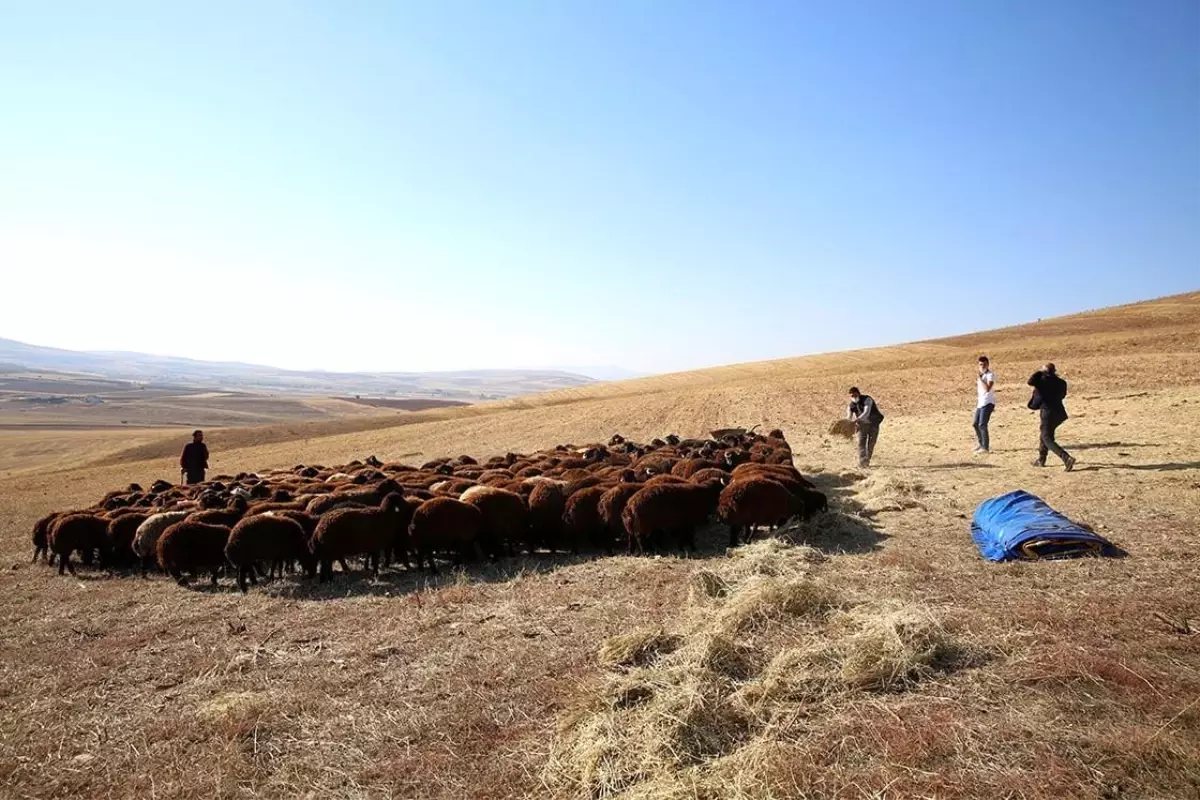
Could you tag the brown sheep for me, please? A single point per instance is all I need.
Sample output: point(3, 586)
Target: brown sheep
point(659, 480)
point(612, 504)
point(41, 535)
point(547, 502)
point(372, 496)
point(505, 524)
point(755, 501)
point(357, 531)
point(81, 531)
point(668, 509)
point(267, 539)
point(690, 466)
point(121, 530)
point(444, 524)
point(582, 522)
point(192, 546)
point(228, 516)
point(709, 475)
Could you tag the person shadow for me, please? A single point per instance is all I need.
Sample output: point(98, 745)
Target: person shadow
point(1175, 466)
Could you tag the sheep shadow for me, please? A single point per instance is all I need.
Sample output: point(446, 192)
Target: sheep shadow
point(400, 581)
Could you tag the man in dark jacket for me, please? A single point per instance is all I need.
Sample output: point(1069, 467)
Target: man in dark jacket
point(866, 416)
point(194, 460)
point(1049, 390)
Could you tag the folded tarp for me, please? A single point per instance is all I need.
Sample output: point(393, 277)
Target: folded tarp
point(1019, 525)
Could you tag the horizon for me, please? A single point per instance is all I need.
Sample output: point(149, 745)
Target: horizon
point(580, 371)
point(470, 187)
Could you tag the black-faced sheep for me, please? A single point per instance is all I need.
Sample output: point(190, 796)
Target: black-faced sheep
point(444, 524)
point(78, 532)
point(267, 539)
point(193, 546)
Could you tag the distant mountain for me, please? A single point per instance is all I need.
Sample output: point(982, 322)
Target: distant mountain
point(468, 385)
point(604, 373)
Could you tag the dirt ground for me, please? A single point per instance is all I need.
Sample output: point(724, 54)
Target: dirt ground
point(460, 686)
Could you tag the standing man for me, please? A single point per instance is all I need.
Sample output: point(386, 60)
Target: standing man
point(1048, 393)
point(985, 404)
point(866, 416)
point(194, 460)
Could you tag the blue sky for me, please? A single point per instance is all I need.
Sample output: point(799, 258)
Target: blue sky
point(660, 185)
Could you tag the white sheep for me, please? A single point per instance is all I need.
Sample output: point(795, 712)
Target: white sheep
point(145, 539)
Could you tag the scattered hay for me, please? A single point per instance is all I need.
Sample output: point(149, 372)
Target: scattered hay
point(711, 713)
point(834, 531)
point(723, 656)
point(763, 600)
point(233, 705)
point(891, 493)
point(843, 428)
point(772, 557)
point(706, 585)
point(638, 648)
point(896, 645)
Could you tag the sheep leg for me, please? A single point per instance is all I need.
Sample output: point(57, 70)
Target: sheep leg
point(65, 562)
point(733, 535)
point(37, 551)
point(214, 578)
point(373, 563)
point(326, 573)
point(241, 579)
point(345, 566)
point(178, 576)
point(253, 580)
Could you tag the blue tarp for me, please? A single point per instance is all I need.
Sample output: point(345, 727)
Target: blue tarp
point(1019, 525)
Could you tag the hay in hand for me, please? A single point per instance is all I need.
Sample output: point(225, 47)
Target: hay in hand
point(843, 427)
point(638, 648)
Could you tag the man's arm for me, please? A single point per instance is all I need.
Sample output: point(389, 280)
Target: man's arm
point(1034, 379)
point(988, 383)
point(868, 406)
point(183, 458)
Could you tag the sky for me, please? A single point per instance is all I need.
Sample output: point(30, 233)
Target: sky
point(655, 184)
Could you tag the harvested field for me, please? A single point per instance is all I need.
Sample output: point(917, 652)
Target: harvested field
point(868, 653)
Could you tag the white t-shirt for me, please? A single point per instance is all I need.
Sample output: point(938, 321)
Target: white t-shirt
point(985, 394)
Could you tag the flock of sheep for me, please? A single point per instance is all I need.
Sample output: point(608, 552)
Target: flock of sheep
point(599, 497)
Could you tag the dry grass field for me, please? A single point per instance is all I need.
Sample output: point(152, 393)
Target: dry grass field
point(869, 653)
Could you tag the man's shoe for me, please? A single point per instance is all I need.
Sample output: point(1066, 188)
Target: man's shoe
point(1069, 464)
point(1037, 462)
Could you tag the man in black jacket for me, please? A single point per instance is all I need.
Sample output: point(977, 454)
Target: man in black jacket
point(866, 416)
point(194, 460)
point(1048, 393)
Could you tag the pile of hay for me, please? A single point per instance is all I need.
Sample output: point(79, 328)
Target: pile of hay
point(764, 651)
point(843, 428)
point(897, 492)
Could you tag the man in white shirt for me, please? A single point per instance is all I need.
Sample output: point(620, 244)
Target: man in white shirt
point(985, 404)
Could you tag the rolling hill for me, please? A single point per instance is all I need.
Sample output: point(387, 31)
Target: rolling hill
point(868, 653)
